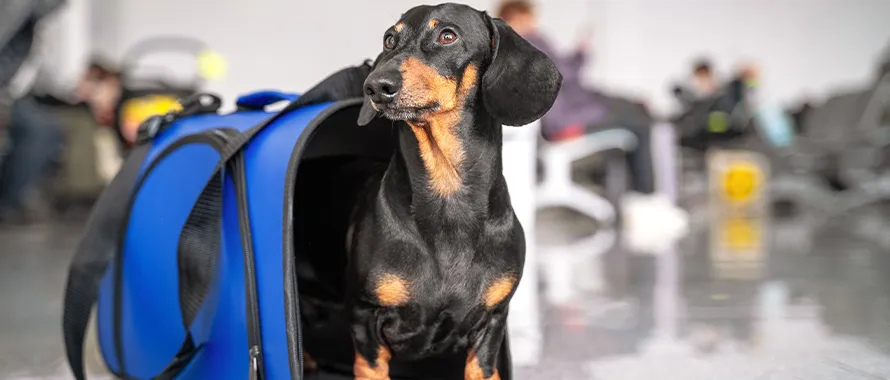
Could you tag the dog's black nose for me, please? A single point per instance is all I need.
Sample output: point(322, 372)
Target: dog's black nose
point(383, 89)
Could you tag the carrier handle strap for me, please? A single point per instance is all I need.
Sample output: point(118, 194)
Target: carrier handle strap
point(261, 99)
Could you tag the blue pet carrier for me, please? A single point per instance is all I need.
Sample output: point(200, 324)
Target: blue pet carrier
point(194, 252)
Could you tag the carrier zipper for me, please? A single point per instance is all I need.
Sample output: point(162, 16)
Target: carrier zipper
point(254, 363)
point(254, 335)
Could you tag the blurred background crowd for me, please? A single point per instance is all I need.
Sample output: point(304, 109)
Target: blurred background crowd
point(661, 99)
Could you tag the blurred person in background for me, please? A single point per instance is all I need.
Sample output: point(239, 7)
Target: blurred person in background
point(33, 135)
point(100, 89)
point(90, 81)
point(704, 81)
point(579, 110)
point(702, 84)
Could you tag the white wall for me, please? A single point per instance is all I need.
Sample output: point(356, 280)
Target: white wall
point(641, 46)
point(803, 46)
point(282, 44)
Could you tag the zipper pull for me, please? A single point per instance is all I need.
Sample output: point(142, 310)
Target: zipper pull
point(254, 363)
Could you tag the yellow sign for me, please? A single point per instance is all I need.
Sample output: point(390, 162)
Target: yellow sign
point(741, 182)
point(738, 247)
point(741, 234)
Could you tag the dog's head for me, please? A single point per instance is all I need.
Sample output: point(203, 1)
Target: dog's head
point(445, 58)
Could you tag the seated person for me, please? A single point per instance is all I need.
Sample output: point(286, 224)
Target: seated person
point(710, 108)
point(100, 89)
point(703, 84)
point(578, 110)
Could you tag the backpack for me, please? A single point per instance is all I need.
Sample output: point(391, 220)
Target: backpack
point(217, 251)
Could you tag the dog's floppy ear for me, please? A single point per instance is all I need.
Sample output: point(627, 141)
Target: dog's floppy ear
point(368, 113)
point(521, 82)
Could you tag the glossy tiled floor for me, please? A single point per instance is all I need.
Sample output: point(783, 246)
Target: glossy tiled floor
point(809, 304)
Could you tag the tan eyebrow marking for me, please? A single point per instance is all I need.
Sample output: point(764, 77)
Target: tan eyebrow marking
point(399, 27)
point(432, 24)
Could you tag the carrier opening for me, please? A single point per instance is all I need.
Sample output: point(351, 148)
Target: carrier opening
point(339, 160)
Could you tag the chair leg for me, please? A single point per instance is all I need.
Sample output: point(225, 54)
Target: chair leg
point(592, 205)
point(579, 199)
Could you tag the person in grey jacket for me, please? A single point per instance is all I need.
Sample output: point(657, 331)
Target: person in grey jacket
point(32, 136)
point(578, 110)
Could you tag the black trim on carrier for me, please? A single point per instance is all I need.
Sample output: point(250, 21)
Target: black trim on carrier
point(216, 139)
point(291, 293)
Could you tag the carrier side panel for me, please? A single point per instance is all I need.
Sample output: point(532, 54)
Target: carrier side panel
point(267, 163)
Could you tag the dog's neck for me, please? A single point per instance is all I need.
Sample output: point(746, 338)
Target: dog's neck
point(451, 163)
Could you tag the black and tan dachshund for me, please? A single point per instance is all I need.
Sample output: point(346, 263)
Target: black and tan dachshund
point(435, 250)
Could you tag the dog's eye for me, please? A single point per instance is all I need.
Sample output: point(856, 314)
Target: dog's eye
point(447, 37)
point(389, 42)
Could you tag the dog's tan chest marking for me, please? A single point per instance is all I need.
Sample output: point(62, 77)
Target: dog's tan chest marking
point(499, 290)
point(440, 147)
point(391, 290)
point(474, 372)
point(379, 370)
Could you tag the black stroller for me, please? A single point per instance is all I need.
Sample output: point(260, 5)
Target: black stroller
point(148, 90)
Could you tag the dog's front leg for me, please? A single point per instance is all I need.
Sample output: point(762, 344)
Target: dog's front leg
point(482, 358)
point(371, 356)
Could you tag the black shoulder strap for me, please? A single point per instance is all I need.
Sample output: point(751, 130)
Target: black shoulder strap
point(96, 249)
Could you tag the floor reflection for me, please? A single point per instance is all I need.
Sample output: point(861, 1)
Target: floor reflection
point(737, 299)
